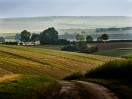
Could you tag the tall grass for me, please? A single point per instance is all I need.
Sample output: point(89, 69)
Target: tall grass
point(74, 76)
point(26, 87)
point(117, 69)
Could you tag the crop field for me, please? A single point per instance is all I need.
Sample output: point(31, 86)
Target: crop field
point(46, 63)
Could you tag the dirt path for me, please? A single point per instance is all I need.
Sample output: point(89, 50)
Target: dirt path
point(83, 90)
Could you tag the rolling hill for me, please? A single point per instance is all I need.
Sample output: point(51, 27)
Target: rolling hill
point(44, 62)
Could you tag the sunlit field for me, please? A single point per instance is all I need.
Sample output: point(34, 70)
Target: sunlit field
point(115, 52)
point(23, 69)
point(43, 62)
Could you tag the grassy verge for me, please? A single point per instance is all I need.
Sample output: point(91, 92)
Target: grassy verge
point(117, 69)
point(115, 75)
point(121, 88)
point(77, 75)
point(26, 87)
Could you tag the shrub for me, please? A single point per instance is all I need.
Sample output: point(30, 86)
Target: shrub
point(62, 42)
point(81, 47)
point(117, 69)
point(21, 43)
point(74, 76)
point(70, 48)
point(10, 43)
point(89, 50)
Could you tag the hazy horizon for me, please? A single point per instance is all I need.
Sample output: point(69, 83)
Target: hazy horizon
point(60, 16)
point(33, 24)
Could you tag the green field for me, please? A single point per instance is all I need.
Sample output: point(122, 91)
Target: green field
point(52, 47)
point(115, 52)
point(10, 40)
point(23, 69)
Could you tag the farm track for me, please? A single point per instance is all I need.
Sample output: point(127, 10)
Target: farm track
point(49, 63)
point(82, 90)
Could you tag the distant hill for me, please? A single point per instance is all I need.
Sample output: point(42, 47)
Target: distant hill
point(34, 24)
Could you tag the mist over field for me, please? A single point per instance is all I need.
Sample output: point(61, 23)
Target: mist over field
point(38, 24)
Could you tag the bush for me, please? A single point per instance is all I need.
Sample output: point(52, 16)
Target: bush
point(81, 47)
point(74, 76)
point(89, 50)
point(21, 43)
point(117, 69)
point(70, 48)
point(62, 42)
point(10, 43)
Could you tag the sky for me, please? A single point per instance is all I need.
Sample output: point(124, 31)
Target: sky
point(34, 8)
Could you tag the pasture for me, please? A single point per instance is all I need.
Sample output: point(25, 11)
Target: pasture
point(52, 47)
point(115, 52)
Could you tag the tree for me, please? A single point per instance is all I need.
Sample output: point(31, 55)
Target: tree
point(89, 38)
point(80, 37)
point(2, 39)
point(18, 37)
point(49, 36)
point(25, 36)
point(105, 37)
point(34, 38)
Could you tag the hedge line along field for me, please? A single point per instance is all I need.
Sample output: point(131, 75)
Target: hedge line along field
point(43, 62)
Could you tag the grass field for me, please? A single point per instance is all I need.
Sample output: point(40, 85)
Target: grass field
point(23, 69)
point(52, 47)
point(10, 40)
point(115, 52)
point(43, 62)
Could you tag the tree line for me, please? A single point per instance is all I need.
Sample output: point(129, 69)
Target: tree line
point(89, 38)
point(112, 29)
point(46, 37)
point(49, 37)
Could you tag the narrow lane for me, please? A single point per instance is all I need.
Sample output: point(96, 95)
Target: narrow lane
point(83, 90)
